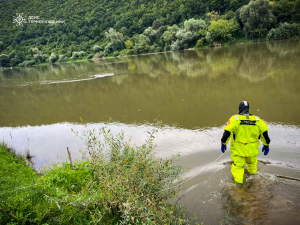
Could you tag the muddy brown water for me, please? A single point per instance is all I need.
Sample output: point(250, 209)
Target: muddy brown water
point(194, 93)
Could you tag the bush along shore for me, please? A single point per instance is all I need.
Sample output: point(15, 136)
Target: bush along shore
point(114, 183)
point(215, 23)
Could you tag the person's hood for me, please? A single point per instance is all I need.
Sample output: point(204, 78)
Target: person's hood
point(244, 108)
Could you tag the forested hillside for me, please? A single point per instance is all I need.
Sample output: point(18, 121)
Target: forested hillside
point(106, 27)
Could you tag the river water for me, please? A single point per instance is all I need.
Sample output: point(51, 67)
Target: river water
point(193, 93)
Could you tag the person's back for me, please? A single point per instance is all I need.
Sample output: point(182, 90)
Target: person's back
point(244, 130)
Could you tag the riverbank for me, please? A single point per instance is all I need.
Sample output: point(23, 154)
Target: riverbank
point(238, 41)
point(132, 187)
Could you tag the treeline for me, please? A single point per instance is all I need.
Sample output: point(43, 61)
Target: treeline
point(113, 28)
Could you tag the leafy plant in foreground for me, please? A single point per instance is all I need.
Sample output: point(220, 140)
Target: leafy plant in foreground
point(115, 183)
point(129, 182)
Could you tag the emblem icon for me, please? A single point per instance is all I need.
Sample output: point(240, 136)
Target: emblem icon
point(19, 19)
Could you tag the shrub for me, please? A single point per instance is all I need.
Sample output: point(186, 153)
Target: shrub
point(109, 48)
point(200, 42)
point(134, 183)
point(158, 49)
point(96, 48)
point(22, 64)
point(141, 47)
point(129, 44)
point(152, 49)
point(130, 51)
point(176, 45)
point(116, 183)
point(208, 37)
point(27, 63)
point(81, 53)
point(45, 57)
point(4, 61)
point(40, 58)
point(53, 58)
point(284, 30)
point(77, 55)
point(90, 56)
point(30, 63)
point(62, 58)
point(14, 61)
point(37, 58)
point(123, 52)
point(100, 54)
point(116, 53)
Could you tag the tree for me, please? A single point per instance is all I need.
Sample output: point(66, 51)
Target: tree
point(194, 25)
point(157, 23)
point(53, 58)
point(129, 44)
point(216, 5)
point(142, 44)
point(170, 34)
point(208, 37)
point(284, 30)
point(228, 15)
point(143, 47)
point(200, 42)
point(114, 36)
point(14, 61)
point(257, 18)
point(235, 4)
point(4, 61)
point(116, 41)
point(109, 48)
point(183, 39)
point(213, 16)
point(223, 30)
point(96, 48)
point(150, 33)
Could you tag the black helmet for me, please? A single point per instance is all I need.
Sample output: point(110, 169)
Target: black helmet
point(244, 108)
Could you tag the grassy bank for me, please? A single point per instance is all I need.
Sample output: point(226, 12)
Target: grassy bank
point(116, 184)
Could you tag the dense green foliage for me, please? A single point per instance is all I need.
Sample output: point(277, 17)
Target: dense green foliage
point(257, 18)
point(223, 30)
point(112, 28)
point(116, 184)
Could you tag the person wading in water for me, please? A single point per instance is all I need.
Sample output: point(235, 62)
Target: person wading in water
point(245, 130)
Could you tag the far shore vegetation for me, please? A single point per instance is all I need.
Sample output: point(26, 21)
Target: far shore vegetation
point(114, 183)
point(141, 28)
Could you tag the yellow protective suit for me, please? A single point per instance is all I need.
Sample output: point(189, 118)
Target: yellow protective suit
point(245, 133)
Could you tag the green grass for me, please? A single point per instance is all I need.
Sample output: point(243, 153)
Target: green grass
point(14, 172)
point(116, 184)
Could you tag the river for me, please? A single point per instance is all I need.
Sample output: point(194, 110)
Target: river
point(193, 93)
